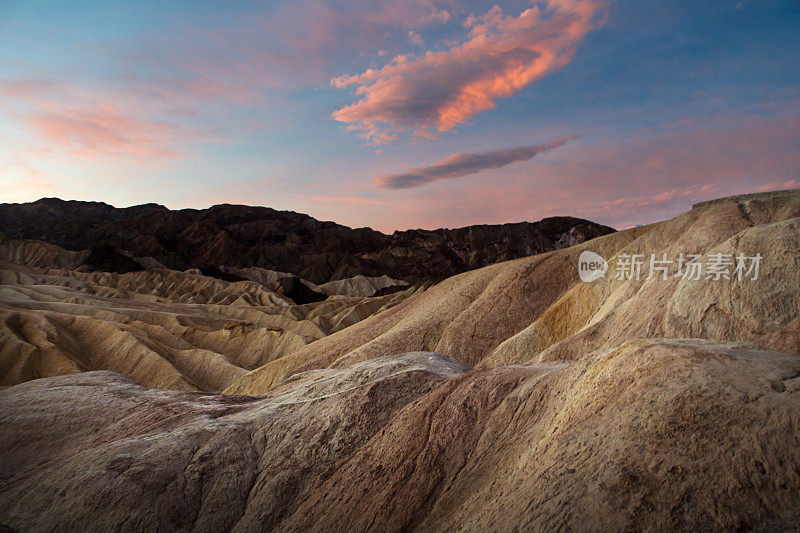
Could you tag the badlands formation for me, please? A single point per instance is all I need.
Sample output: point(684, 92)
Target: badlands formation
point(163, 328)
point(514, 396)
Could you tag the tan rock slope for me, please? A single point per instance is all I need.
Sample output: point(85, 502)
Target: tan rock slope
point(536, 308)
point(662, 434)
point(612, 405)
point(163, 328)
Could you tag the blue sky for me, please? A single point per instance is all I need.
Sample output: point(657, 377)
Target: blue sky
point(315, 106)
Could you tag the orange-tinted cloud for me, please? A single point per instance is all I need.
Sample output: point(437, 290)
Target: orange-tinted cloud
point(441, 89)
point(464, 164)
point(104, 129)
point(20, 181)
point(88, 121)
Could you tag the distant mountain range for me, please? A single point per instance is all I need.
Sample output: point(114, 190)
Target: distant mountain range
point(226, 238)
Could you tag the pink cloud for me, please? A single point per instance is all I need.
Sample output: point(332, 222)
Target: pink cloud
point(89, 121)
point(83, 121)
point(104, 129)
point(441, 89)
point(194, 72)
point(20, 181)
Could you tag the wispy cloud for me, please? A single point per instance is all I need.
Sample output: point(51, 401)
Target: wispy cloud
point(104, 130)
point(199, 75)
point(464, 164)
point(441, 89)
point(89, 121)
point(20, 181)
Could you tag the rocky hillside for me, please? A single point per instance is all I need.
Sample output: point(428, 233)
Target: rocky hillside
point(238, 236)
point(673, 434)
point(511, 397)
point(163, 328)
point(536, 309)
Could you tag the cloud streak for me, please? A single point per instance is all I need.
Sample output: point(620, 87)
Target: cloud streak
point(104, 129)
point(440, 89)
point(465, 164)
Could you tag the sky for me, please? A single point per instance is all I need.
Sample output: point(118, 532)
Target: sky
point(397, 115)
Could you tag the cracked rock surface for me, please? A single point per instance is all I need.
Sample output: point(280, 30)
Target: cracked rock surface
point(512, 397)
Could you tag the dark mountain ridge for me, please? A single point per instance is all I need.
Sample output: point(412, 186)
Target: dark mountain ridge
point(245, 236)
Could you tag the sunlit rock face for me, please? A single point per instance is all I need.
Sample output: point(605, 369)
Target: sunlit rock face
point(514, 396)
